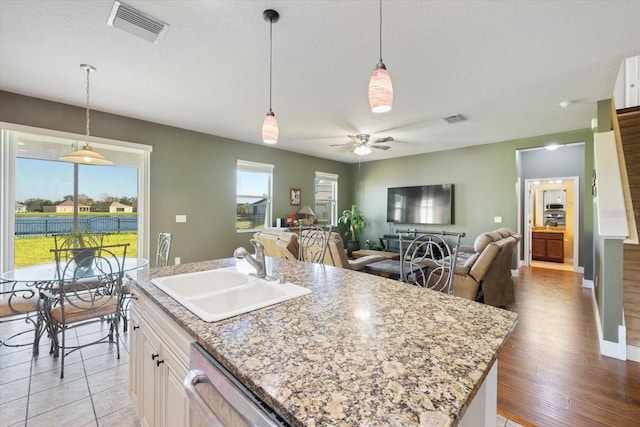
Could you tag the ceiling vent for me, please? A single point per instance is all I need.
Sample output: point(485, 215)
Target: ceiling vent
point(135, 22)
point(455, 119)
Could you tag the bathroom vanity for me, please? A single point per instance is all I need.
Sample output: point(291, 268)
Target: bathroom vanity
point(358, 350)
point(547, 245)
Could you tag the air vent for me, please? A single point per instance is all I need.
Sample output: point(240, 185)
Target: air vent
point(135, 22)
point(455, 119)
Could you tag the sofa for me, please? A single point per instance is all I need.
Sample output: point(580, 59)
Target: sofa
point(483, 271)
point(281, 243)
point(278, 242)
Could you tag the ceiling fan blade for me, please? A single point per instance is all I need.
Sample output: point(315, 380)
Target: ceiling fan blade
point(385, 139)
point(380, 147)
point(341, 145)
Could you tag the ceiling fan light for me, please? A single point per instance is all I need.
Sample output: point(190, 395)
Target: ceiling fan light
point(86, 156)
point(362, 150)
point(380, 90)
point(270, 129)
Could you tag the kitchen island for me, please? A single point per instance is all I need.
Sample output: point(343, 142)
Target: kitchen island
point(358, 350)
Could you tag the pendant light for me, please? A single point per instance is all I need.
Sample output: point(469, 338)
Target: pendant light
point(380, 88)
point(270, 124)
point(86, 155)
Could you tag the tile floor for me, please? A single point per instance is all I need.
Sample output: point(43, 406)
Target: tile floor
point(93, 392)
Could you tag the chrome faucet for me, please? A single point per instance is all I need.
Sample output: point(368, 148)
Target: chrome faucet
point(257, 261)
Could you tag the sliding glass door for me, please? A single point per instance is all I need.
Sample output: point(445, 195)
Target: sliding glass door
point(39, 200)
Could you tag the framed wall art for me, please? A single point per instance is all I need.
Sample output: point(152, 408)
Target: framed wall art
point(295, 195)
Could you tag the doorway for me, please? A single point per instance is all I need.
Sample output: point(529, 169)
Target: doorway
point(539, 169)
point(551, 218)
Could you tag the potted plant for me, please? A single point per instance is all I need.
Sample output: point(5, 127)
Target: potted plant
point(355, 222)
point(79, 241)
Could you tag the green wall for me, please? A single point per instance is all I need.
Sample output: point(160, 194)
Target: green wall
point(608, 256)
point(485, 179)
point(192, 173)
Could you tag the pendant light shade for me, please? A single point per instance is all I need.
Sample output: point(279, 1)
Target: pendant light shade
point(380, 90)
point(86, 155)
point(270, 124)
point(270, 129)
point(380, 87)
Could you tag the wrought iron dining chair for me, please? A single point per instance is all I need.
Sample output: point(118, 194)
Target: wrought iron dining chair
point(428, 262)
point(19, 303)
point(162, 260)
point(164, 246)
point(313, 243)
point(88, 290)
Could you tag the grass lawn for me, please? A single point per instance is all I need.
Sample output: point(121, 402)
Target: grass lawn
point(36, 250)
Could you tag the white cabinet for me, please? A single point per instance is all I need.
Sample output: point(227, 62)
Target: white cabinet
point(135, 355)
point(159, 360)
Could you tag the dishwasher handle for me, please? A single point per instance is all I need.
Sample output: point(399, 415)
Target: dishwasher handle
point(195, 377)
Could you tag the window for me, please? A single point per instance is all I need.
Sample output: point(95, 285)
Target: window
point(326, 193)
point(253, 196)
point(37, 193)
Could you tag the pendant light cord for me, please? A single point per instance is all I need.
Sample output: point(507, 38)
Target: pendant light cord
point(88, 119)
point(270, 58)
point(380, 30)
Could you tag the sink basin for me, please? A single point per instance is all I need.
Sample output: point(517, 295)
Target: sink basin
point(214, 295)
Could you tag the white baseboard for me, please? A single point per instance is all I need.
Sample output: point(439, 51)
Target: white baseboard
point(515, 273)
point(617, 350)
point(587, 284)
point(633, 353)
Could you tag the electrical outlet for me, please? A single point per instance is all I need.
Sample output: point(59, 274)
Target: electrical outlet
point(497, 219)
point(176, 260)
point(181, 218)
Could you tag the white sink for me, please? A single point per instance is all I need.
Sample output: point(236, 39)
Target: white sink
point(214, 295)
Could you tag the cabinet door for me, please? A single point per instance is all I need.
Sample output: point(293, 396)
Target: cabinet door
point(176, 407)
point(149, 376)
point(555, 250)
point(538, 249)
point(135, 358)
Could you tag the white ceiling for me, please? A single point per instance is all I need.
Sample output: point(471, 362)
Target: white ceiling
point(505, 65)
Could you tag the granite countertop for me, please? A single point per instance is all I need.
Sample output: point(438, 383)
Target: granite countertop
point(358, 350)
point(548, 230)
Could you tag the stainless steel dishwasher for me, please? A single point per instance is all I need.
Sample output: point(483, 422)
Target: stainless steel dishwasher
point(217, 398)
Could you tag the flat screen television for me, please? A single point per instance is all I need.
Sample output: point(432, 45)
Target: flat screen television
point(425, 204)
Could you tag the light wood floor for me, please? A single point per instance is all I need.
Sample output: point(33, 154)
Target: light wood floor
point(551, 372)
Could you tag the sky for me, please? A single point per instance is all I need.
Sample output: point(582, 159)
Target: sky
point(52, 180)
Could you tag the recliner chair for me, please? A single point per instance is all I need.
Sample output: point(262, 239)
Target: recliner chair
point(338, 255)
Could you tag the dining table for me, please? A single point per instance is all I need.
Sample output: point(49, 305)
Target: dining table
point(44, 277)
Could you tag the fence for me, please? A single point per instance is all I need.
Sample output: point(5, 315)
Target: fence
point(39, 226)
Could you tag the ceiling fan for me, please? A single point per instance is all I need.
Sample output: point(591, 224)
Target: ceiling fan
point(362, 144)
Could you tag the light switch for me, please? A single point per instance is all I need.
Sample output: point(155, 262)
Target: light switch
point(497, 219)
point(181, 218)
